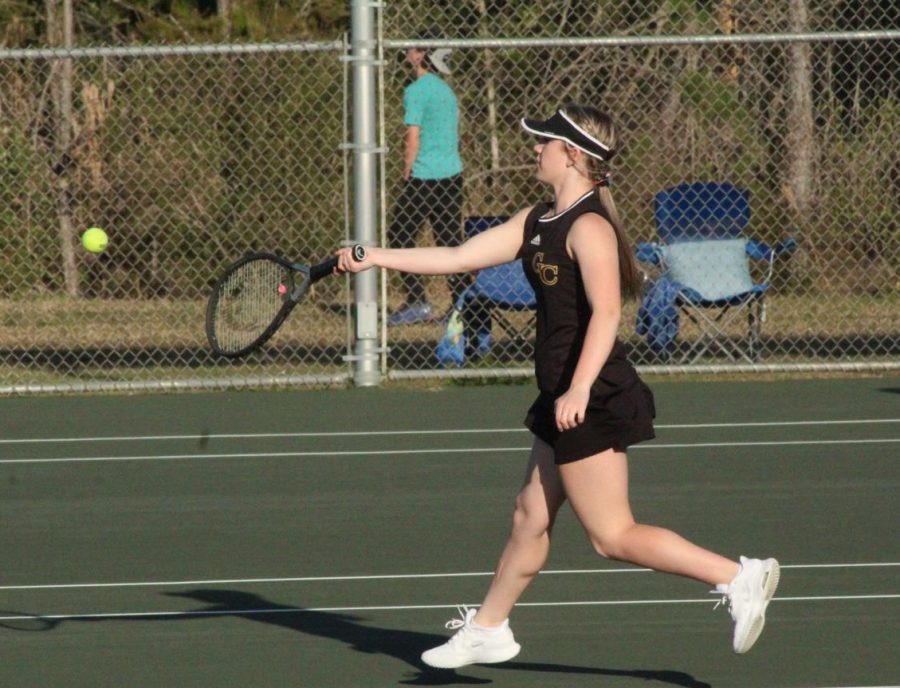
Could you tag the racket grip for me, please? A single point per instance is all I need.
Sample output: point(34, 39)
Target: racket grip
point(325, 268)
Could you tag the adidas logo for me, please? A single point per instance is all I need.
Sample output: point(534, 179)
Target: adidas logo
point(537, 240)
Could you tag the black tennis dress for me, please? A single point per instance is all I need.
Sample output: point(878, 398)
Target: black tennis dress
point(620, 411)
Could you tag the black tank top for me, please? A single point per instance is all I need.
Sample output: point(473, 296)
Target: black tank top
point(563, 311)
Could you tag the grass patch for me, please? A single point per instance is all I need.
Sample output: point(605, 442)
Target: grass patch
point(58, 340)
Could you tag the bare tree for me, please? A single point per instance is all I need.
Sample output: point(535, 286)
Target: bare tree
point(728, 24)
point(490, 78)
point(224, 10)
point(800, 135)
point(61, 89)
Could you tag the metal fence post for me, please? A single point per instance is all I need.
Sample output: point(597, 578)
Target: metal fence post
point(363, 58)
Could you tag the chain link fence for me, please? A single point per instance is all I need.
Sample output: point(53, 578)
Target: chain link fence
point(188, 157)
point(804, 125)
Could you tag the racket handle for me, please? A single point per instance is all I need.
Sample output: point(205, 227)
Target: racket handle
point(325, 268)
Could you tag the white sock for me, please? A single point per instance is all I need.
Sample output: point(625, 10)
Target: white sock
point(490, 629)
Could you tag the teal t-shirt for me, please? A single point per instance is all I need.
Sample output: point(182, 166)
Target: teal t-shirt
point(430, 104)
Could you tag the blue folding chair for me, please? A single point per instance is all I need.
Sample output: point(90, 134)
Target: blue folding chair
point(493, 292)
point(704, 271)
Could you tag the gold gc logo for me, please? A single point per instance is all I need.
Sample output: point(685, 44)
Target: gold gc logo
point(547, 273)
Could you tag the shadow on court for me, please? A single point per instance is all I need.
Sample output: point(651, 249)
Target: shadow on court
point(406, 646)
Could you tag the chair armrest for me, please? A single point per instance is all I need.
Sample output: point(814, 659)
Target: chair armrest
point(786, 246)
point(647, 252)
point(759, 250)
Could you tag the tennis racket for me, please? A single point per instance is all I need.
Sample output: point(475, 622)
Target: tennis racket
point(255, 295)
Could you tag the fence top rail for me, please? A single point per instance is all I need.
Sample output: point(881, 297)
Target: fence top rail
point(171, 50)
point(628, 41)
point(403, 44)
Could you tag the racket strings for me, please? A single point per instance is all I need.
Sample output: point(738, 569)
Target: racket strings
point(249, 300)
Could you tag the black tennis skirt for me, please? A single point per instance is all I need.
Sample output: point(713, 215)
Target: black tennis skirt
point(620, 413)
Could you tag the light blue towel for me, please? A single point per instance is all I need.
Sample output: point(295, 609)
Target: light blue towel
point(658, 317)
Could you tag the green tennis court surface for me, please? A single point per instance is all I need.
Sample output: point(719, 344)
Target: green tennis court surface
point(323, 538)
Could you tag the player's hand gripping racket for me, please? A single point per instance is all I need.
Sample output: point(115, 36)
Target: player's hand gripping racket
point(255, 295)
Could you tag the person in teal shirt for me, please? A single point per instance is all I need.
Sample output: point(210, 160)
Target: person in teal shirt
point(432, 173)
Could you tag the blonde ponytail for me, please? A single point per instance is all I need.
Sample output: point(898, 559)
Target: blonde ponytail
point(600, 125)
point(629, 275)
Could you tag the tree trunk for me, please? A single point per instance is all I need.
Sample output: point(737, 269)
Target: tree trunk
point(728, 26)
point(491, 95)
point(801, 136)
point(224, 10)
point(61, 88)
point(233, 127)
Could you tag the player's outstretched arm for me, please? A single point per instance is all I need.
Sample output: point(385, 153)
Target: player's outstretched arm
point(494, 246)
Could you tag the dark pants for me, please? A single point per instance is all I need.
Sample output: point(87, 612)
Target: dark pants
point(440, 202)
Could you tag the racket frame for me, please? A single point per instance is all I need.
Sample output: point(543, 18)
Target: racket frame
point(309, 276)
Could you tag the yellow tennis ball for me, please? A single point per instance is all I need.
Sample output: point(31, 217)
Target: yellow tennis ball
point(94, 240)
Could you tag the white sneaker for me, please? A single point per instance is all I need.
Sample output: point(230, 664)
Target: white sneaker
point(472, 644)
point(747, 596)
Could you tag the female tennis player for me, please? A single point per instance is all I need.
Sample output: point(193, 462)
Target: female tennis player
point(592, 405)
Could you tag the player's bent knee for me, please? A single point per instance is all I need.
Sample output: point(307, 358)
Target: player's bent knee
point(600, 548)
point(528, 520)
point(608, 546)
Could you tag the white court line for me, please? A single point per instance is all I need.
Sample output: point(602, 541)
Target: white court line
point(262, 455)
point(398, 452)
point(408, 607)
point(392, 576)
point(261, 435)
point(398, 433)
